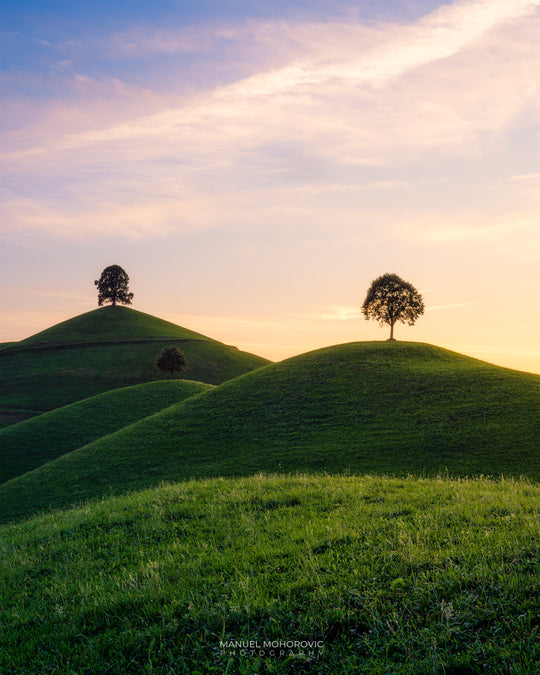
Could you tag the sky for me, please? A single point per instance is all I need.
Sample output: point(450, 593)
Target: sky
point(254, 165)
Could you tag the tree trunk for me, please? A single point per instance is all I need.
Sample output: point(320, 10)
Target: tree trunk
point(391, 331)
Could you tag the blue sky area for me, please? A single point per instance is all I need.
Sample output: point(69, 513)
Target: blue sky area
point(24, 12)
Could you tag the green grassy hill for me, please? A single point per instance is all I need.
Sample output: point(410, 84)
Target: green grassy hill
point(111, 323)
point(375, 407)
point(29, 444)
point(3, 345)
point(402, 576)
point(105, 349)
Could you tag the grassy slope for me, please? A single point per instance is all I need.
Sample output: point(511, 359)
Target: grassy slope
point(3, 345)
point(365, 407)
point(111, 323)
point(392, 575)
point(106, 349)
point(14, 416)
point(29, 444)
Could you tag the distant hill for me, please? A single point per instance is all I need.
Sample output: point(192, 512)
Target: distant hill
point(106, 349)
point(110, 324)
point(374, 407)
point(29, 444)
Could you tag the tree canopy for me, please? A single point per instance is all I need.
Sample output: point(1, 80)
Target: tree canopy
point(171, 360)
point(391, 299)
point(113, 286)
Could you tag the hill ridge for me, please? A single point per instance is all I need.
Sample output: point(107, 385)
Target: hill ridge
point(375, 407)
point(48, 345)
point(109, 320)
point(103, 349)
point(34, 442)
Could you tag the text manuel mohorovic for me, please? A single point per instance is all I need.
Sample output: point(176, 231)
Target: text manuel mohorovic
point(269, 647)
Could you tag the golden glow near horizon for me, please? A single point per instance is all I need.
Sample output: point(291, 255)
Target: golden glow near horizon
point(254, 174)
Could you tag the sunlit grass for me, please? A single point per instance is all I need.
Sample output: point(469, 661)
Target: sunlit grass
point(399, 575)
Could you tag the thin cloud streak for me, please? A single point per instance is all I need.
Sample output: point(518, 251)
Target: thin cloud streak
point(354, 313)
point(452, 305)
point(442, 34)
point(525, 179)
point(337, 314)
point(431, 229)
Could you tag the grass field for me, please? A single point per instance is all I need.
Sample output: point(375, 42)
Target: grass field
point(105, 349)
point(386, 408)
point(357, 509)
point(29, 444)
point(379, 575)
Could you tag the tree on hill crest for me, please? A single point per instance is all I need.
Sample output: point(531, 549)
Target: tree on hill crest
point(113, 286)
point(391, 299)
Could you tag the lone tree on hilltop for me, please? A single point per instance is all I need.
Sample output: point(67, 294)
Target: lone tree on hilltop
point(171, 360)
point(113, 286)
point(390, 299)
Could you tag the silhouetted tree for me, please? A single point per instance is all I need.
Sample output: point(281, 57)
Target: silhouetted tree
point(171, 361)
point(390, 299)
point(113, 286)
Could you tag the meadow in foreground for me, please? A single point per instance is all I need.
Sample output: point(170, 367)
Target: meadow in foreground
point(400, 575)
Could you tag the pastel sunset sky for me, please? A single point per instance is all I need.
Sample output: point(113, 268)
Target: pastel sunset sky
point(253, 165)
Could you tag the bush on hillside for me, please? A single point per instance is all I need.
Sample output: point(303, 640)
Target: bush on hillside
point(171, 360)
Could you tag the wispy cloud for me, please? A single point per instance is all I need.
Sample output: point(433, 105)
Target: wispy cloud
point(133, 219)
point(337, 314)
point(343, 313)
point(525, 179)
point(54, 293)
point(467, 227)
point(348, 97)
point(348, 57)
point(386, 50)
point(453, 305)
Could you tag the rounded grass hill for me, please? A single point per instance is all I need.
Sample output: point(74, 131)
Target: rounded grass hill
point(106, 349)
point(375, 407)
point(393, 575)
point(29, 444)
